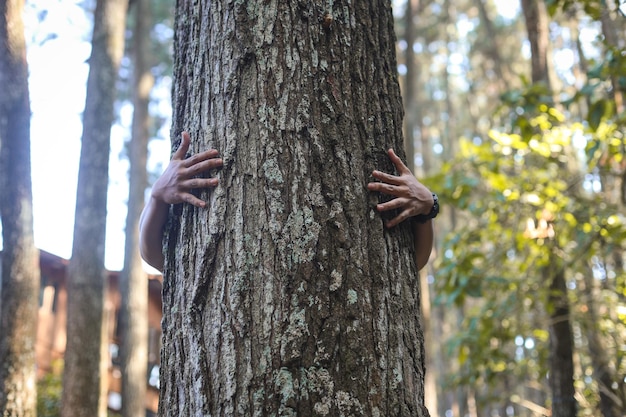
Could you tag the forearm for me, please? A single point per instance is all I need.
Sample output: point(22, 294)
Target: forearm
point(424, 238)
point(151, 227)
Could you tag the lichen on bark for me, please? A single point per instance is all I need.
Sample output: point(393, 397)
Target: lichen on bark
point(287, 296)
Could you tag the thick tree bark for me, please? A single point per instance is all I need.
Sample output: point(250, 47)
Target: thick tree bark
point(19, 274)
point(85, 367)
point(134, 279)
point(287, 296)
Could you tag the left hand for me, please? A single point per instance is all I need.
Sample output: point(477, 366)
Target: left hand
point(183, 175)
point(412, 198)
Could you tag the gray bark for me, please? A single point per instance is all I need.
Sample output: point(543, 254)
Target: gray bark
point(85, 366)
point(287, 296)
point(134, 280)
point(19, 260)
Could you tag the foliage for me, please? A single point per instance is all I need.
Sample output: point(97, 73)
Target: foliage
point(530, 192)
point(49, 389)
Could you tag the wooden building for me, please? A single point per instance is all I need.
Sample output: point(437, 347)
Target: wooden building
point(51, 333)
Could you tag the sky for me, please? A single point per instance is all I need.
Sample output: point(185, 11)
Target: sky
point(57, 82)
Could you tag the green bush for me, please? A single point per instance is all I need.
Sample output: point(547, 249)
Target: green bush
point(49, 389)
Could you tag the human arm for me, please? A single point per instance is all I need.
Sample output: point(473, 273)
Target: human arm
point(412, 198)
point(174, 186)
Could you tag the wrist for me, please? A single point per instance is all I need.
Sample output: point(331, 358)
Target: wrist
point(434, 211)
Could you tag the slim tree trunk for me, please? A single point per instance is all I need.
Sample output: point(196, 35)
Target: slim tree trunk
point(605, 378)
point(561, 338)
point(19, 273)
point(287, 296)
point(492, 47)
point(537, 23)
point(536, 18)
point(611, 29)
point(85, 372)
point(134, 279)
point(410, 81)
point(561, 345)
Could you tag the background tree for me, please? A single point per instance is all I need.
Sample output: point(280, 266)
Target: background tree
point(536, 194)
point(134, 279)
point(86, 356)
point(514, 153)
point(287, 295)
point(19, 273)
point(561, 374)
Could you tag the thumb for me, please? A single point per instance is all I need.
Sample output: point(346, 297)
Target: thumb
point(183, 147)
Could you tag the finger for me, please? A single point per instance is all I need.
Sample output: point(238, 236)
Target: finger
point(388, 178)
point(183, 147)
point(201, 157)
point(193, 200)
point(196, 183)
point(385, 188)
point(396, 203)
point(397, 220)
point(397, 162)
point(203, 167)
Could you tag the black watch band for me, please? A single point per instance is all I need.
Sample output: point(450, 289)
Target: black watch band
point(423, 218)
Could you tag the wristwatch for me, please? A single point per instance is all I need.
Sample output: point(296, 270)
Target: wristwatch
point(423, 218)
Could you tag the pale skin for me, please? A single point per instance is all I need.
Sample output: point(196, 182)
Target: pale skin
point(182, 176)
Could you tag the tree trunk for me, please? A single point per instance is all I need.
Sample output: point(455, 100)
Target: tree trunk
point(536, 18)
point(287, 296)
point(492, 48)
point(84, 377)
point(611, 29)
point(599, 355)
point(134, 280)
point(19, 273)
point(410, 80)
point(561, 345)
point(561, 339)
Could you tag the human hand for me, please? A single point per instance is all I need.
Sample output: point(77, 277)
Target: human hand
point(412, 198)
point(182, 175)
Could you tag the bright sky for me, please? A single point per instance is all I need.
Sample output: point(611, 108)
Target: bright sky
point(58, 77)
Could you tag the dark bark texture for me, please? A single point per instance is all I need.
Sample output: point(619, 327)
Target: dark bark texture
point(83, 373)
point(561, 349)
point(19, 274)
point(286, 296)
